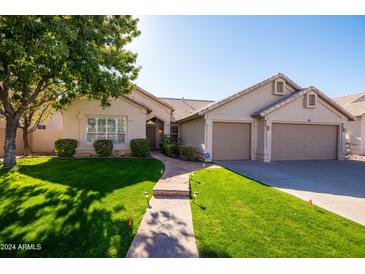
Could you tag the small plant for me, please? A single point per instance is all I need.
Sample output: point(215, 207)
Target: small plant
point(169, 139)
point(65, 147)
point(187, 153)
point(171, 150)
point(140, 147)
point(103, 148)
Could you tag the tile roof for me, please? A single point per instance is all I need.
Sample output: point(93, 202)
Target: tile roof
point(184, 107)
point(354, 103)
point(153, 97)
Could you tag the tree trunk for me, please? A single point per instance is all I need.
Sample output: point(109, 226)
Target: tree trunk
point(10, 142)
point(26, 144)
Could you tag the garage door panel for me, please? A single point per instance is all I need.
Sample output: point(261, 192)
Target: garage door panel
point(231, 141)
point(304, 142)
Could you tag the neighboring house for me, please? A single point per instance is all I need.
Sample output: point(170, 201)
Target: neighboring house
point(355, 104)
point(275, 119)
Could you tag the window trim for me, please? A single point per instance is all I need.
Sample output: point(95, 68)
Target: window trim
point(276, 92)
point(106, 128)
point(308, 105)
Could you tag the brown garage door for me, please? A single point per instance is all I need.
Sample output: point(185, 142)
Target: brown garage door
point(231, 141)
point(304, 142)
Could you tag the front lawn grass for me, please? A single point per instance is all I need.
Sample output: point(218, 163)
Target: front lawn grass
point(74, 207)
point(234, 216)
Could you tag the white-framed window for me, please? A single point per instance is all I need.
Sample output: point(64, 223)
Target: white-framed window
point(41, 127)
point(311, 100)
point(279, 87)
point(106, 127)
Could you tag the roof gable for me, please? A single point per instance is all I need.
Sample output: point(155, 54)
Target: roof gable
point(154, 98)
point(281, 103)
point(252, 88)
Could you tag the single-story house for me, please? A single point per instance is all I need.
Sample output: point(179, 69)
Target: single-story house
point(355, 104)
point(275, 119)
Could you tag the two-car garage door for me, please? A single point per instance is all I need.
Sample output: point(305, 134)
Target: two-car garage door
point(232, 141)
point(304, 142)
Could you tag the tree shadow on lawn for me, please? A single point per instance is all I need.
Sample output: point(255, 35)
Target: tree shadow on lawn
point(102, 175)
point(76, 219)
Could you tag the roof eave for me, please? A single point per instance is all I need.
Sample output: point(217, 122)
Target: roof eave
point(247, 90)
point(191, 117)
point(149, 110)
point(298, 95)
point(145, 92)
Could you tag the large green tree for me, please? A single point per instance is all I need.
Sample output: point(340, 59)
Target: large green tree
point(62, 57)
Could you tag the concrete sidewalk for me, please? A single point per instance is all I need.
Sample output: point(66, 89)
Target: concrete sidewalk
point(166, 230)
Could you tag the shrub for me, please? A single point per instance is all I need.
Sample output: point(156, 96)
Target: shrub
point(65, 147)
point(140, 147)
point(169, 139)
point(171, 150)
point(103, 148)
point(187, 153)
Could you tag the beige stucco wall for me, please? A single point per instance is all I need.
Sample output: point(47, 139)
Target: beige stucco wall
point(259, 150)
point(159, 110)
point(243, 107)
point(43, 140)
point(296, 112)
point(75, 118)
point(192, 133)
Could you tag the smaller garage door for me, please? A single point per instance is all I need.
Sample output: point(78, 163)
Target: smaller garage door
point(304, 142)
point(231, 141)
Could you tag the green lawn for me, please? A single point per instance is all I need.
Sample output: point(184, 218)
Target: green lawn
point(74, 207)
point(234, 216)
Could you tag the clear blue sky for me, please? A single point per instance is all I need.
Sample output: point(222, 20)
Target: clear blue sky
point(210, 57)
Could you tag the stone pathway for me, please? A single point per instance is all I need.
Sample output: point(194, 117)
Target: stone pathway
point(166, 230)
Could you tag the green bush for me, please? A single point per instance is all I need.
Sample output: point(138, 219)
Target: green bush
point(169, 139)
point(103, 148)
point(171, 150)
point(187, 153)
point(140, 147)
point(65, 147)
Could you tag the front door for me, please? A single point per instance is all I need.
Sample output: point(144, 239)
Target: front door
point(151, 135)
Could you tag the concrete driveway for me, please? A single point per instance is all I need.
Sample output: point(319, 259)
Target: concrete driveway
point(338, 186)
